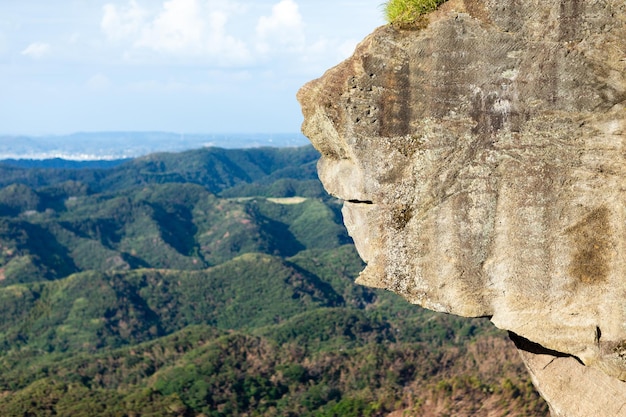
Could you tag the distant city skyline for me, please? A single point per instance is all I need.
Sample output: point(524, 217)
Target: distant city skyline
point(184, 66)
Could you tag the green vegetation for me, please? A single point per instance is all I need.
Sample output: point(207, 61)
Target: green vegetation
point(409, 13)
point(191, 285)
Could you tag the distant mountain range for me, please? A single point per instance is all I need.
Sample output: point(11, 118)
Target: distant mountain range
point(122, 145)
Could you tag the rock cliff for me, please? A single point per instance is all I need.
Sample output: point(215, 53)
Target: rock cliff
point(481, 158)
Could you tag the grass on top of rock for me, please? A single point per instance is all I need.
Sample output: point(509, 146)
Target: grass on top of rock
point(409, 13)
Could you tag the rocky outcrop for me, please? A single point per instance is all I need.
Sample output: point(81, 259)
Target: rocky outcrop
point(482, 160)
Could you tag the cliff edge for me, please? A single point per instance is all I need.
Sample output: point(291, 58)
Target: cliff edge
point(482, 163)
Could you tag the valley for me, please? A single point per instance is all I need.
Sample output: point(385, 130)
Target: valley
point(219, 282)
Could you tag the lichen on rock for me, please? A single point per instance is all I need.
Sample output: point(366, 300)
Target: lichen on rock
point(490, 149)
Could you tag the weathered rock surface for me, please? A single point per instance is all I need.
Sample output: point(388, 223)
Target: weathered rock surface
point(572, 389)
point(483, 163)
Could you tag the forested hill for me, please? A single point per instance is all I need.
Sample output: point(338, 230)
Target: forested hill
point(215, 169)
point(218, 283)
point(162, 211)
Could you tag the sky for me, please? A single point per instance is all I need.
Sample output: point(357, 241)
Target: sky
point(189, 66)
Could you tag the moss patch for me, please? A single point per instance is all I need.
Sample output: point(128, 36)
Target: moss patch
point(592, 237)
point(407, 14)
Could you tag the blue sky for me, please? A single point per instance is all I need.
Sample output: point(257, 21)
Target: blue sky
point(193, 66)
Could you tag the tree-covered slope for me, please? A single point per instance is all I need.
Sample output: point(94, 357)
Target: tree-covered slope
point(172, 226)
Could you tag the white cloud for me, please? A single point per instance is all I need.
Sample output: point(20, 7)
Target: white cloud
point(121, 22)
point(283, 29)
point(37, 50)
point(178, 27)
point(222, 33)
